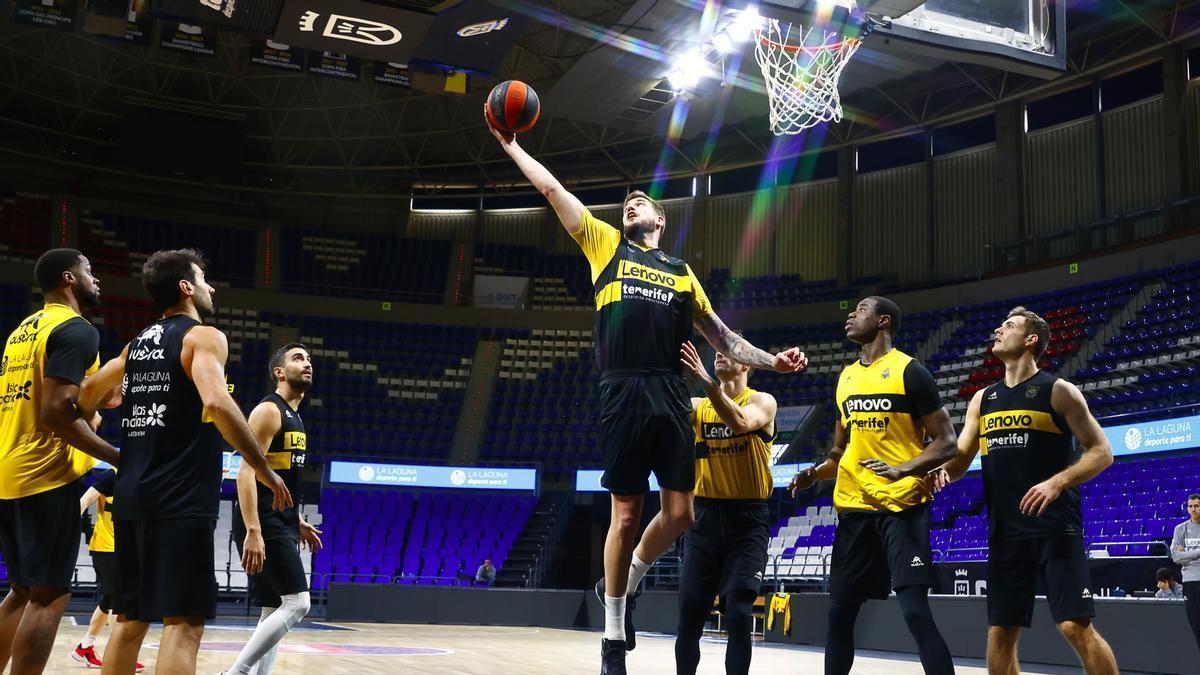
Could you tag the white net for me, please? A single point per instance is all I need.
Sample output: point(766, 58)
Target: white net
point(801, 68)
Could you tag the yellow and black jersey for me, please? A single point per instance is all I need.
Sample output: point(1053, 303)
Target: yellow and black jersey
point(645, 301)
point(1023, 442)
point(728, 465)
point(287, 455)
point(53, 342)
point(102, 540)
point(881, 406)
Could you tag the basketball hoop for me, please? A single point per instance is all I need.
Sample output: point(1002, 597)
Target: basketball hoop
point(802, 68)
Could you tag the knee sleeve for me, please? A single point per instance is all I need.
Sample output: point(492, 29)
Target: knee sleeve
point(294, 608)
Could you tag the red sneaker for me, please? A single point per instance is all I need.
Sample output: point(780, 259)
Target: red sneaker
point(137, 668)
point(86, 656)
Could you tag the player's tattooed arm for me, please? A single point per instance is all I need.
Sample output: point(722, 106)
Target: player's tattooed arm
point(739, 349)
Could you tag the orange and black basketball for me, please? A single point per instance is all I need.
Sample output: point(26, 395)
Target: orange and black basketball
point(512, 107)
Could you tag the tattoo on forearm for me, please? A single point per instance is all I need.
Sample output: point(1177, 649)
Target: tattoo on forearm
point(747, 354)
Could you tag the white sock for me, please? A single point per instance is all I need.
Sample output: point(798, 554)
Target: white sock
point(271, 629)
point(614, 617)
point(637, 570)
point(88, 641)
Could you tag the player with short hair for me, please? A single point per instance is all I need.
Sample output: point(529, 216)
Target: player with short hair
point(1025, 426)
point(46, 445)
point(268, 540)
point(646, 305)
point(888, 404)
point(175, 409)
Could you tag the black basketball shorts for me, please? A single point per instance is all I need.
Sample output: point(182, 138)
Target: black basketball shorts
point(166, 568)
point(646, 426)
point(877, 551)
point(40, 537)
point(1013, 568)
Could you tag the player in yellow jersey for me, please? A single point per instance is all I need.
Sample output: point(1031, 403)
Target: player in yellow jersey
point(725, 551)
point(41, 435)
point(101, 547)
point(647, 303)
point(888, 405)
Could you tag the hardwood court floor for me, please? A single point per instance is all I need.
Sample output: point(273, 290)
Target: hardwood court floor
point(419, 649)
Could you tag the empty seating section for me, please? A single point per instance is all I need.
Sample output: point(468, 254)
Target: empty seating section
point(120, 244)
point(1152, 362)
point(769, 291)
point(364, 266)
point(559, 282)
point(381, 536)
point(24, 225)
point(383, 390)
point(801, 545)
point(545, 405)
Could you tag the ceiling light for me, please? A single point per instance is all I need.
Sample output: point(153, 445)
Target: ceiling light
point(723, 43)
point(744, 23)
point(687, 70)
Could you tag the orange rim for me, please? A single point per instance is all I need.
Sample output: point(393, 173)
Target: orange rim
point(792, 49)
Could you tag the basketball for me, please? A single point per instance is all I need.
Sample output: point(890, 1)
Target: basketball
point(513, 107)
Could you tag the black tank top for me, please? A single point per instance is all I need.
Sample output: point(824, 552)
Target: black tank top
point(171, 456)
point(1025, 442)
point(286, 455)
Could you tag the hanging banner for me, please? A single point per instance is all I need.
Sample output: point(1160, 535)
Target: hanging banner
point(58, 14)
point(334, 65)
point(273, 54)
point(392, 75)
point(369, 30)
point(139, 29)
point(188, 38)
point(501, 292)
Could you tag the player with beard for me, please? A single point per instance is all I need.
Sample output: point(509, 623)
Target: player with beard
point(1025, 427)
point(646, 305)
point(888, 404)
point(42, 434)
point(269, 541)
point(175, 408)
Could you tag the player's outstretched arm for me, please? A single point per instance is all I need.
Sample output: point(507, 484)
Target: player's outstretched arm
point(826, 470)
point(1068, 402)
point(103, 388)
point(264, 422)
point(204, 352)
point(739, 349)
point(566, 205)
point(758, 412)
point(968, 443)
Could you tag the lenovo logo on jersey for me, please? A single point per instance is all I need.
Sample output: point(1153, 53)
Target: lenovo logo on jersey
point(647, 274)
point(994, 422)
point(868, 404)
point(715, 432)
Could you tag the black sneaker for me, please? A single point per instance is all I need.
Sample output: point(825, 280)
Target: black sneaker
point(630, 605)
point(612, 657)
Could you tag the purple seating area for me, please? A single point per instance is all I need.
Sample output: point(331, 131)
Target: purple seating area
point(365, 266)
point(769, 291)
point(119, 244)
point(1152, 363)
point(393, 536)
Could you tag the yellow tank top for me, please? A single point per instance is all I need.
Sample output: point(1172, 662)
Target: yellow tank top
point(731, 466)
point(103, 540)
point(876, 412)
point(32, 459)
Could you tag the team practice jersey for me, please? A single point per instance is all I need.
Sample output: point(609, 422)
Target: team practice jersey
point(53, 342)
point(171, 457)
point(286, 456)
point(1024, 442)
point(645, 301)
point(880, 407)
point(102, 540)
point(728, 465)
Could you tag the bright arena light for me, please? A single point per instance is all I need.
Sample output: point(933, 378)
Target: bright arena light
point(687, 70)
point(723, 43)
point(744, 23)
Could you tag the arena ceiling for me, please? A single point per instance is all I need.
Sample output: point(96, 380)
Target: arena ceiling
point(64, 95)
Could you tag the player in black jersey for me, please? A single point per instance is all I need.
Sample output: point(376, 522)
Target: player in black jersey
point(1023, 427)
point(175, 408)
point(646, 305)
point(269, 541)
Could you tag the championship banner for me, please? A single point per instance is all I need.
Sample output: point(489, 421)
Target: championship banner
point(333, 65)
point(413, 475)
point(264, 52)
point(502, 292)
point(188, 38)
point(371, 31)
point(392, 75)
point(58, 14)
point(139, 29)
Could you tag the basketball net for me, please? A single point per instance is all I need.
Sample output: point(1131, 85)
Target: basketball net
point(802, 68)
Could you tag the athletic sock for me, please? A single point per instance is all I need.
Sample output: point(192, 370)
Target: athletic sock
point(637, 570)
point(614, 618)
point(88, 641)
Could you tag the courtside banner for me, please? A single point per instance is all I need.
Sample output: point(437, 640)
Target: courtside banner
point(588, 480)
point(413, 475)
point(372, 31)
point(1182, 433)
